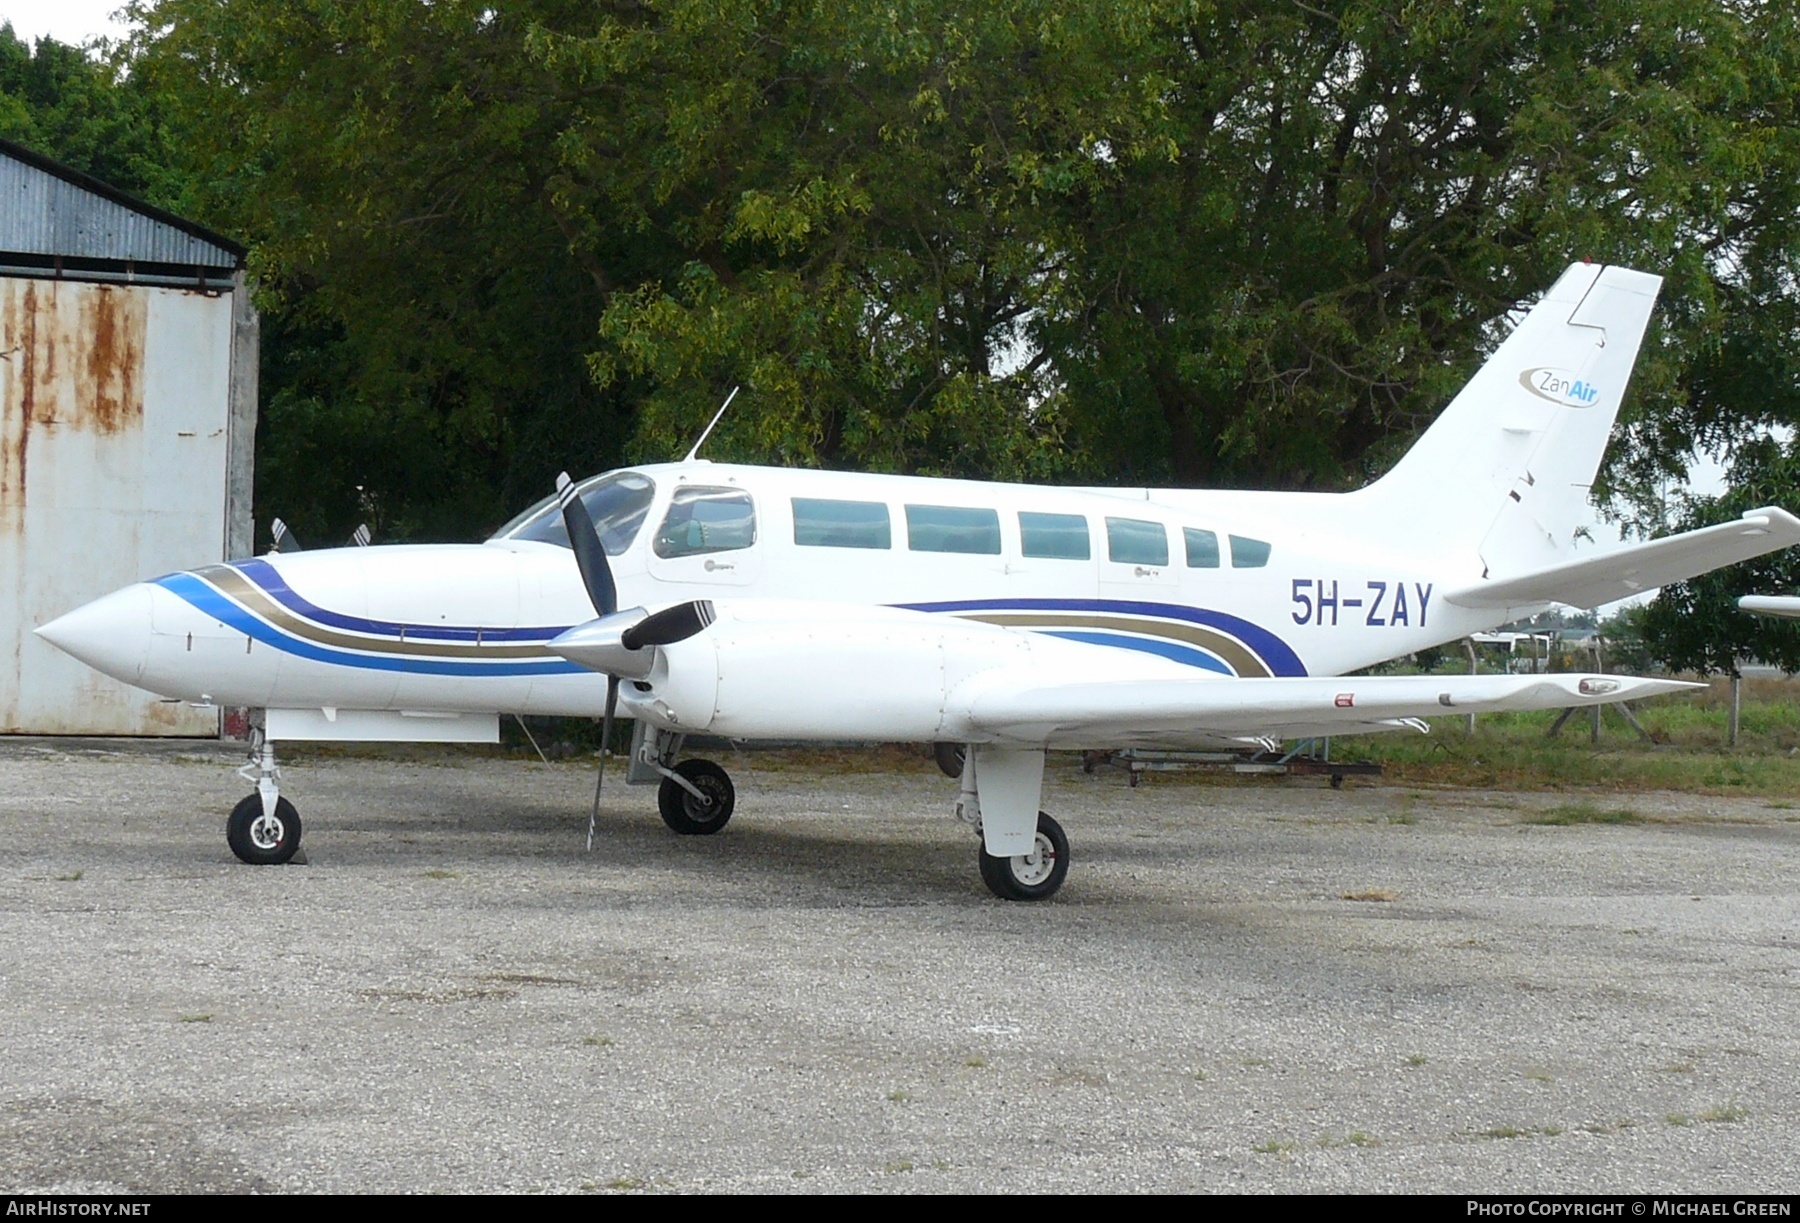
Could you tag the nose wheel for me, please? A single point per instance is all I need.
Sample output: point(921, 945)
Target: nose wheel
point(696, 798)
point(1033, 876)
point(264, 829)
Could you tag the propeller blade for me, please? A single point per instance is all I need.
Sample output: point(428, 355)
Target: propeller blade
point(360, 537)
point(284, 538)
point(669, 625)
point(606, 730)
point(590, 556)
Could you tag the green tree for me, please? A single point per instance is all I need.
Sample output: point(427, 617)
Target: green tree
point(1354, 194)
point(426, 318)
point(1696, 625)
point(78, 108)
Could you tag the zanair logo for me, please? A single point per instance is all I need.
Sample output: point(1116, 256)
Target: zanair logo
point(1559, 386)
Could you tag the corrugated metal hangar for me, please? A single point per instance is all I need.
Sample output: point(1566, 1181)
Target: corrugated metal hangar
point(128, 350)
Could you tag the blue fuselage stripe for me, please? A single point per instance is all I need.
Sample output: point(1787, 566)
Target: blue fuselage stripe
point(215, 604)
point(1275, 652)
point(1148, 645)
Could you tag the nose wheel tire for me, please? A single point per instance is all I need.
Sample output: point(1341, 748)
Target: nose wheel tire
point(697, 817)
point(263, 840)
point(1033, 876)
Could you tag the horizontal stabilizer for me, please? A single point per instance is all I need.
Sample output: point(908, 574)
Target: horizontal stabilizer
point(1639, 567)
point(1145, 710)
point(1785, 606)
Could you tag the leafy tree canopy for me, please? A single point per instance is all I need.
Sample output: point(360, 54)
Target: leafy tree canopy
point(1236, 242)
point(1696, 625)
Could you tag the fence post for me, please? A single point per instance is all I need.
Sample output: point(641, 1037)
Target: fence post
point(1469, 644)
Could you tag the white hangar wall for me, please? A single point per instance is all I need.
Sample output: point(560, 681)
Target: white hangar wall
point(128, 370)
point(113, 457)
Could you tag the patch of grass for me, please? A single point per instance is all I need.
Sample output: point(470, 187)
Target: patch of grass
point(1677, 1119)
point(897, 1096)
point(1357, 1138)
point(1374, 895)
point(1538, 1076)
point(1199, 1076)
point(1506, 1131)
point(1569, 814)
point(438, 872)
point(70, 878)
point(1512, 752)
point(900, 1165)
point(1677, 1068)
point(1275, 1146)
point(598, 1042)
point(1415, 1059)
point(206, 1018)
point(623, 1183)
point(1608, 1127)
point(1728, 1113)
point(975, 1063)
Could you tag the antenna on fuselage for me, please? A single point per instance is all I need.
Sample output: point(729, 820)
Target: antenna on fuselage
point(707, 432)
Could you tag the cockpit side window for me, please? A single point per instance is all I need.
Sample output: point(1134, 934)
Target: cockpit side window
point(617, 502)
point(702, 520)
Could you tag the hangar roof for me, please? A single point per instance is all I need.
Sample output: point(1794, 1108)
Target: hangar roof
point(57, 221)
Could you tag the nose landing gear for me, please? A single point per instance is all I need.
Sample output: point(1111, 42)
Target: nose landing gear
point(263, 829)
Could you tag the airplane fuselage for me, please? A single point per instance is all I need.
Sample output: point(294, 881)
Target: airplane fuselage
point(1191, 583)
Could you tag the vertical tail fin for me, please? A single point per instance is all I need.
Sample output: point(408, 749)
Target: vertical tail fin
point(1506, 469)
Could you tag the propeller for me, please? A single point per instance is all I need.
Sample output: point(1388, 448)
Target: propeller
point(361, 537)
point(604, 645)
point(283, 538)
point(603, 593)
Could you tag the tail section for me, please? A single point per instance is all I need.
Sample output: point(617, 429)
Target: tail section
point(1506, 469)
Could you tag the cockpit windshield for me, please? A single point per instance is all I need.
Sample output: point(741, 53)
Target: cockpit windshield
point(617, 502)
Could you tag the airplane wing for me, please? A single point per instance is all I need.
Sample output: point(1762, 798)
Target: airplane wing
point(760, 669)
point(1144, 711)
point(1639, 567)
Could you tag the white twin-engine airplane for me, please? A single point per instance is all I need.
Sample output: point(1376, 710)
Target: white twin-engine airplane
point(776, 604)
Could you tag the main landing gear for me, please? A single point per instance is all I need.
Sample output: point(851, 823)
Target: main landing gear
point(1033, 876)
point(264, 829)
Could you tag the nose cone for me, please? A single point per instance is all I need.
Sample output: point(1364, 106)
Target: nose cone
point(111, 634)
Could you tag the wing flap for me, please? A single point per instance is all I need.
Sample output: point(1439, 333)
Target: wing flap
point(1639, 567)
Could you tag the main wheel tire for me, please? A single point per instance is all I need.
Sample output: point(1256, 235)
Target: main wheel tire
point(1033, 876)
point(263, 840)
point(688, 815)
point(949, 757)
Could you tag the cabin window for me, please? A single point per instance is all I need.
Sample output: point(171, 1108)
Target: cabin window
point(1202, 548)
point(1132, 541)
point(1248, 553)
point(841, 524)
point(952, 528)
point(617, 502)
point(704, 520)
point(1057, 536)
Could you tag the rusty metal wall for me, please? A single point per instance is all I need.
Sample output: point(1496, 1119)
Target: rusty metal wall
point(114, 430)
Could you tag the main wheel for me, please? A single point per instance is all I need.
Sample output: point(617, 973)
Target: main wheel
point(263, 840)
point(950, 758)
point(1033, 876)
point(694, 817)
